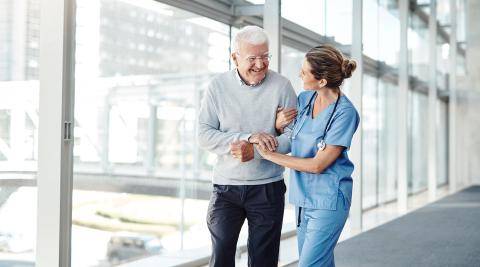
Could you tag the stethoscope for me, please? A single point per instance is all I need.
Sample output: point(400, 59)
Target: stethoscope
point(296, 129)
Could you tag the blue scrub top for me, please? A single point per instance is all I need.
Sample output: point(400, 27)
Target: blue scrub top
point(320, 191)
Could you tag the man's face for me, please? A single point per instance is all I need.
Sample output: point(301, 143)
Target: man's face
point(252, 61)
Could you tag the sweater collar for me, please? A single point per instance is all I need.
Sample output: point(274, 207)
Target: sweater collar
point(243, 82)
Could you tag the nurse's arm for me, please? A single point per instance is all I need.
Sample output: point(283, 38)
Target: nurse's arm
point(317, 164)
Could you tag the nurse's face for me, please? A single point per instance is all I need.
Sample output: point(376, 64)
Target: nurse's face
point(309, 81)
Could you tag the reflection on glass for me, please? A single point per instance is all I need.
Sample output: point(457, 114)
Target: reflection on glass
point(19, 91)
point(141, 182)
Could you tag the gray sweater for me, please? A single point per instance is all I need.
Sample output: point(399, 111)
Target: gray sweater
point(232, 111)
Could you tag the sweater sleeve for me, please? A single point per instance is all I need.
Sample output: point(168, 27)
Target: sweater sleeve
point(284, 140)
point(210, 136)
point(289, 100)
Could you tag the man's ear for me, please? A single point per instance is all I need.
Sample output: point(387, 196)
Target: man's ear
point(234, 58)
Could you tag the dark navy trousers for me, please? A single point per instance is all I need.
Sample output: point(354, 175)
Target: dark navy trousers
point(262, 206)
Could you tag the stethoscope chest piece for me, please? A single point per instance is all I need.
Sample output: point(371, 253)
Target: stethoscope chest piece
point(321, 145)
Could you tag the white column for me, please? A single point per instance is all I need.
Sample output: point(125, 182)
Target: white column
point(272, 24)
point(402, 165)
point(432, 102)
point(54, 182)
point(452, 105)
point(152, 140)
point(356, 96)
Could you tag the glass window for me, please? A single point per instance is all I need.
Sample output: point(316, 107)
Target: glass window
point(19, 92)
point(418, 47)
point(442, 142)
point(388, 32)
point(339, 20)
point(292, 60)
point(370, 123)
point(141, 183)
point(387, 142)
point(417, 178)
point(309, 14)
point(443, 13)
point(327, 18)
point(442, 62)
point(443, 46)
point(371, 42)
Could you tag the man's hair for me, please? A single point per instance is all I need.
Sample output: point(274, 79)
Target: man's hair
point(251, 34)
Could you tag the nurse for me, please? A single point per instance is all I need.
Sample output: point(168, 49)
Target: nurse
point(320, 182)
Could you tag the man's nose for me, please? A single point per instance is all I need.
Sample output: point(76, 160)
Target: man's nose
point(259, 63)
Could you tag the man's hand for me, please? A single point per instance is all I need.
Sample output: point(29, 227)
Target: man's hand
point(284, 117)
point(242, 150)
point(264, 140)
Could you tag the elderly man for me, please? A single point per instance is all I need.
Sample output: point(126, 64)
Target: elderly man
point(238, 110)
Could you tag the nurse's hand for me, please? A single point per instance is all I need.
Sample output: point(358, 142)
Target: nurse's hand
point(284, 117)
point(265, 153)
point(242, 150)
point(265, 140)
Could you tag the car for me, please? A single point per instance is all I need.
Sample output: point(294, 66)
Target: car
point(124, 245)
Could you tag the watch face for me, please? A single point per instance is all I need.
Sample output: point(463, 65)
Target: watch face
point(321, 145)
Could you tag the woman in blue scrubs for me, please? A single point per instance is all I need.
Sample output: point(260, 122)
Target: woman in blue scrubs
point(321, 182)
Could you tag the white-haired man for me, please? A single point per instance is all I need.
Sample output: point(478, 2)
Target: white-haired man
point(238, 110)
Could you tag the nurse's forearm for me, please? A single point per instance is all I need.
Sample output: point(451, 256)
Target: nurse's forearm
point(299, 164)
point(317, 164)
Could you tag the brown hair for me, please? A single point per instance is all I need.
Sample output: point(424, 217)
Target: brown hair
point(328, 63)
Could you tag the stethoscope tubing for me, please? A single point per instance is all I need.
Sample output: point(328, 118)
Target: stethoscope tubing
point(307, 109)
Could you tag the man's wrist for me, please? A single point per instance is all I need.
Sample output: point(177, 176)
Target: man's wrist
point(245, 137)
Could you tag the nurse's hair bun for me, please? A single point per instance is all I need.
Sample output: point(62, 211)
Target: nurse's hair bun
point(348, 66)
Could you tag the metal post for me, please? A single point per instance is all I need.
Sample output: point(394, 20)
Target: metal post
point(432, 102)
point(55, 164)
point(403, 82)
point(356, 96)
point(272, 24)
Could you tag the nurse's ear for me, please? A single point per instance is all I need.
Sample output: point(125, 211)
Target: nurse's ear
point(322, 83)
